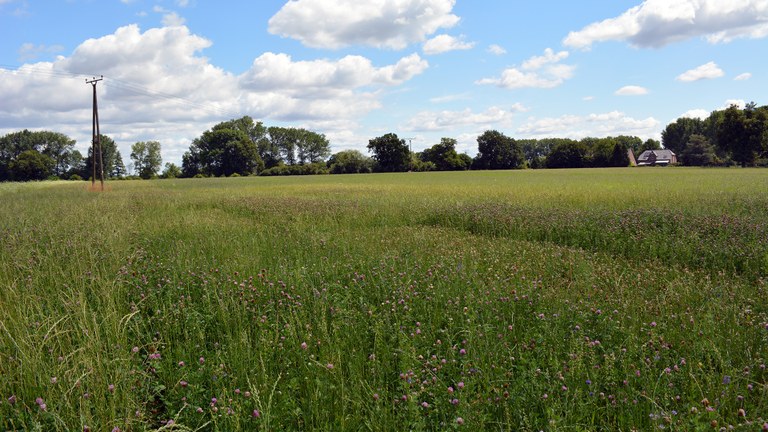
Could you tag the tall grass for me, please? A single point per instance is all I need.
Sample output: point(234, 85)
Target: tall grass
point(557, 300)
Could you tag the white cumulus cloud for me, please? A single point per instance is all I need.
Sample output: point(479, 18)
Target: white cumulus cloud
point(706, 71)
point(631, 90)
point(743, 77)
point(443, 120)
point(544, 71)
point(445, 43)
point(335, 24)
point(158, 86)
point(497, 50)
point(655, 23)
point(598, 125)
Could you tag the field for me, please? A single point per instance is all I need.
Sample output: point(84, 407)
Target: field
point(611, 299)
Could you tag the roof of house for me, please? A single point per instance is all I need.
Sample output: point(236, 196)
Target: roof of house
point(659, 154)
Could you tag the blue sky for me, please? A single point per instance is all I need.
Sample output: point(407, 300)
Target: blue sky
point(356, 69)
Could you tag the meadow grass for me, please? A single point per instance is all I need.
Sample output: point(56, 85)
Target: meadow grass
point(612, 299)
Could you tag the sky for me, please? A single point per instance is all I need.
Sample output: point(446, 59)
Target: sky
point(357, 69)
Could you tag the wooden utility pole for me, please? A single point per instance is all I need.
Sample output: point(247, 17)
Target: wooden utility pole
point(96, 140)
point(409, 143)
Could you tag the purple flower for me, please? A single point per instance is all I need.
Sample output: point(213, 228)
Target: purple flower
point(459, 421)
point(329, 366)
point(111, 388)
point(726, 379)
point(255, 414)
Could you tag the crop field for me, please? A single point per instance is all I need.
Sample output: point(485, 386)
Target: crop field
point(576, 300)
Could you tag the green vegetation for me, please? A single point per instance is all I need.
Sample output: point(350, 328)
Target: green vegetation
point(610, 299)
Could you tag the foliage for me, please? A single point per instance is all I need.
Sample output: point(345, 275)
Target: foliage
point(390, 153)
point(31, 165)
point(111, 157)
point(698, 152)
point(444, 156)
point(498, 151)
point(677, 134)
point(146, 158)
point(223, 150)
point(171, 171)
point(56, 146)
point(350, 162)
point(290, 170)
point(568, 154)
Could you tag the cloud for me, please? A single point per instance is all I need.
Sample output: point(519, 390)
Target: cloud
point(445, 43)
point(706, 71)
point(450, 98)
point(743, 77)
point(158, 86)
point(333, 24)
point(631, 90)
point(544, 71)
point(599, 125)
point(740, 103)
point(496, 50)
point(30, 51)
point(655, 23)
point(172, 19)
point(696, 114)
point(444, 120)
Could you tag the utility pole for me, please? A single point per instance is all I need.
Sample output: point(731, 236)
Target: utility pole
point(96, 137)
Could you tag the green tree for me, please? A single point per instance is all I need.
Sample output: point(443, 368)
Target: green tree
point(31, 165)
point(390, 153)
point(568, 154)
point(312, 147)
point(222, 151)
point(743, 133)
point(677, 134)
point(171, 171)
point(444, 156)
point(698, 152)
point(498, 151)
point(350, 162)
point(285, 140)
point(57, 146)
point(146, 158)
point(649, 144)
point(113, 160)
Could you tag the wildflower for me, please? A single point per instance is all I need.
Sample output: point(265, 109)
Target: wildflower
point(54, 380)
point(199, 410)
point(459, 421)
point(255, 414)
point(375, 396)
point(115, 429)
point(135, 349)
point(460, 385)
point(450, 389)
point(462, 352)
point(202, 360)
point(653, 323)
point(304, 345)
point(454, 401)
point(181, 364)
point(111, 388)
point(589, 382)
point(329, 366)
point(12, 400)
point(741, 412)
point(726, 380)
point(183, 384)
point(425, 405)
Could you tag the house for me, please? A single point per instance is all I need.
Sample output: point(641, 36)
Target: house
point(656, 157)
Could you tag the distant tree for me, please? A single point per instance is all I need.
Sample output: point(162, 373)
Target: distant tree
point(619, 156)
point(498, 151)
point(285, 140)
point(55, 145)
point(222, 152)
point(171, 171)
point(146, 158)
point(677, 134)
point(390, 153)
point(649, 144)
point(113, 160)
point(568, 154)
point(629, 142)
point(739, 133)
point(31, 165)
point(312, 147)
point(698, 152)
point(444, 156)
point(350, 162)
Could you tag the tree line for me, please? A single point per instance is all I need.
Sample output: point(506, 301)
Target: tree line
point(241, 147)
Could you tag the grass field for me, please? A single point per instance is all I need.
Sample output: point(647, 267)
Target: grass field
point(612, 299)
